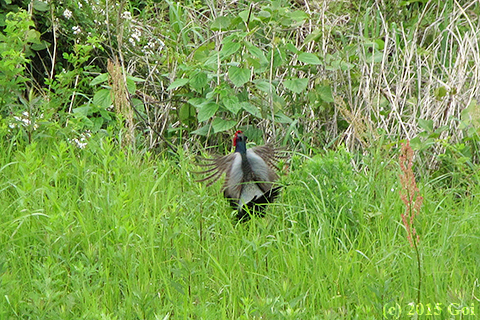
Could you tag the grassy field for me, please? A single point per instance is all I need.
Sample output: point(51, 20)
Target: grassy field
point(101, 234)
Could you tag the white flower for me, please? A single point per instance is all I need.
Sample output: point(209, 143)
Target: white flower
point(137, 34)
point(127, 15)
point(67, 14)
point(148, 49)
point(24, 121)
point(81, 142)
point(135, 37)
point(150, 45)
point(76, 29)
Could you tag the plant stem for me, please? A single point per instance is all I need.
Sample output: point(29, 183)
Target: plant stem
point(419, 270)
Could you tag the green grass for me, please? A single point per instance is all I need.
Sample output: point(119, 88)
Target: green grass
point(104, 234)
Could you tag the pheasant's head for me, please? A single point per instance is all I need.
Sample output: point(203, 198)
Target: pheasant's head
point(240, 142)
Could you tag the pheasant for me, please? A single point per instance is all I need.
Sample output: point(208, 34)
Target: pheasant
point(250, 176)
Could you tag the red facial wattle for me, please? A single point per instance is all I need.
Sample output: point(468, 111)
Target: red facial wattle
point(235, 137)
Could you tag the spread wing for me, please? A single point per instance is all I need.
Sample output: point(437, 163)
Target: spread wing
point(215, 168)
point(270, 154)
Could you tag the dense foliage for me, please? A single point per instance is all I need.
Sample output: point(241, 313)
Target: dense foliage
point(313, 73)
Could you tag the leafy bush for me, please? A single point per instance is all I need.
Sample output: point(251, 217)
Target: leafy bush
point(15, 43)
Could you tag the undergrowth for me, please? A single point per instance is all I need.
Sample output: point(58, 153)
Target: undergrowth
point(100, 233)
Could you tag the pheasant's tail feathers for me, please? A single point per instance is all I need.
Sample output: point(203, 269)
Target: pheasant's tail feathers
point(268, 196)
point(256, 206)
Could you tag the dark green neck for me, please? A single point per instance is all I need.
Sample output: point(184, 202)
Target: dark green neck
point(241, 147)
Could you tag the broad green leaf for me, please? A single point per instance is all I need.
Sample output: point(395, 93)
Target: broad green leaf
point(97, 123)
point(178, 83)
point(203, 131)
point(256, 52)
point(33, 36)
point(102, 98)
point(229, 48)
point(239, 76)
point(279, 57)
point(339, 64)
point(223, 90)
point(99, 79)
point(264, 14)
point(212, 58)
point(221, 24)
point(442, 129)
point(244, 15)
point(380, 44)
point(186, 113)
point(298, 15)
point(316, 34)
point(309, 58)
point(231, 104)
point(204, 52)
point(344, 65)
point(131, 83)
point(426, 125)
point(210, 95)
point(294, 18)
point(220, 125)
point(199, 81)
point(416, 143)
point(251, 109)
point(325, 93)
point(378, 56)
point(253, 62)
point(281, 118)
point(40, 5)
point(290, 47)
point(105, 114)
point(440, 92)
point(197, 102)
point(470, 116)
point(87, 122)
point(207, 111)
point(39, 46)
point(138, 104)
point(296, 85)
point(136, 79)
point(83, 111)
point(131, 86)
point(264, 86)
